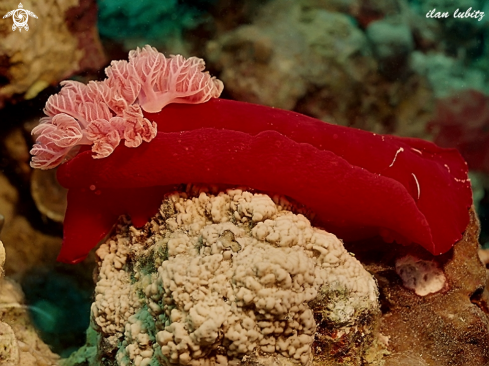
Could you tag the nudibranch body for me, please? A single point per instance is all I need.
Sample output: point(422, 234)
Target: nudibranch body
point(357, 183)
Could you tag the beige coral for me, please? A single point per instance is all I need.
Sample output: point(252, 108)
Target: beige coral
point(50, 50)
point(19, 343)
point(225, 279)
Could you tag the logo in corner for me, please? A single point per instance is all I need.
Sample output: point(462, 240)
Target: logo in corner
point(20, 17)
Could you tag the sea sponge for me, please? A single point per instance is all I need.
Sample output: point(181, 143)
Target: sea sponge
point(222, 278)
point(424, 277)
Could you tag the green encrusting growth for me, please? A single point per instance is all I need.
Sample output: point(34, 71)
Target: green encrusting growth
point(149, 21)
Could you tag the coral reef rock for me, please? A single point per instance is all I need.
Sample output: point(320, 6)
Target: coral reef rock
point(299, 55)
point(230, 279)
point(443, 318)
point(19, 343)
point(462, 122)
point(61, 41)
point(26, 246)
point(238, 279)
point(48, 194)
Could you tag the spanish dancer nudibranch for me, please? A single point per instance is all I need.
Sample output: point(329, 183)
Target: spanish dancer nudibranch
point(176, 130)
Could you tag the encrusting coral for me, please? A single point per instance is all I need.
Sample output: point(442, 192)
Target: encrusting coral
point(20, 345)
point(222, 279)
point(103, 113)
point(63, 41)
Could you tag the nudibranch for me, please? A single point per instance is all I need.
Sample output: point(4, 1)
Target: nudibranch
point(177, 130)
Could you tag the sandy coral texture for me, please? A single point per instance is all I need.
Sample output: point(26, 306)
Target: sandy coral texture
point(49, 51)
point(229, 279)
point(19, 343)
